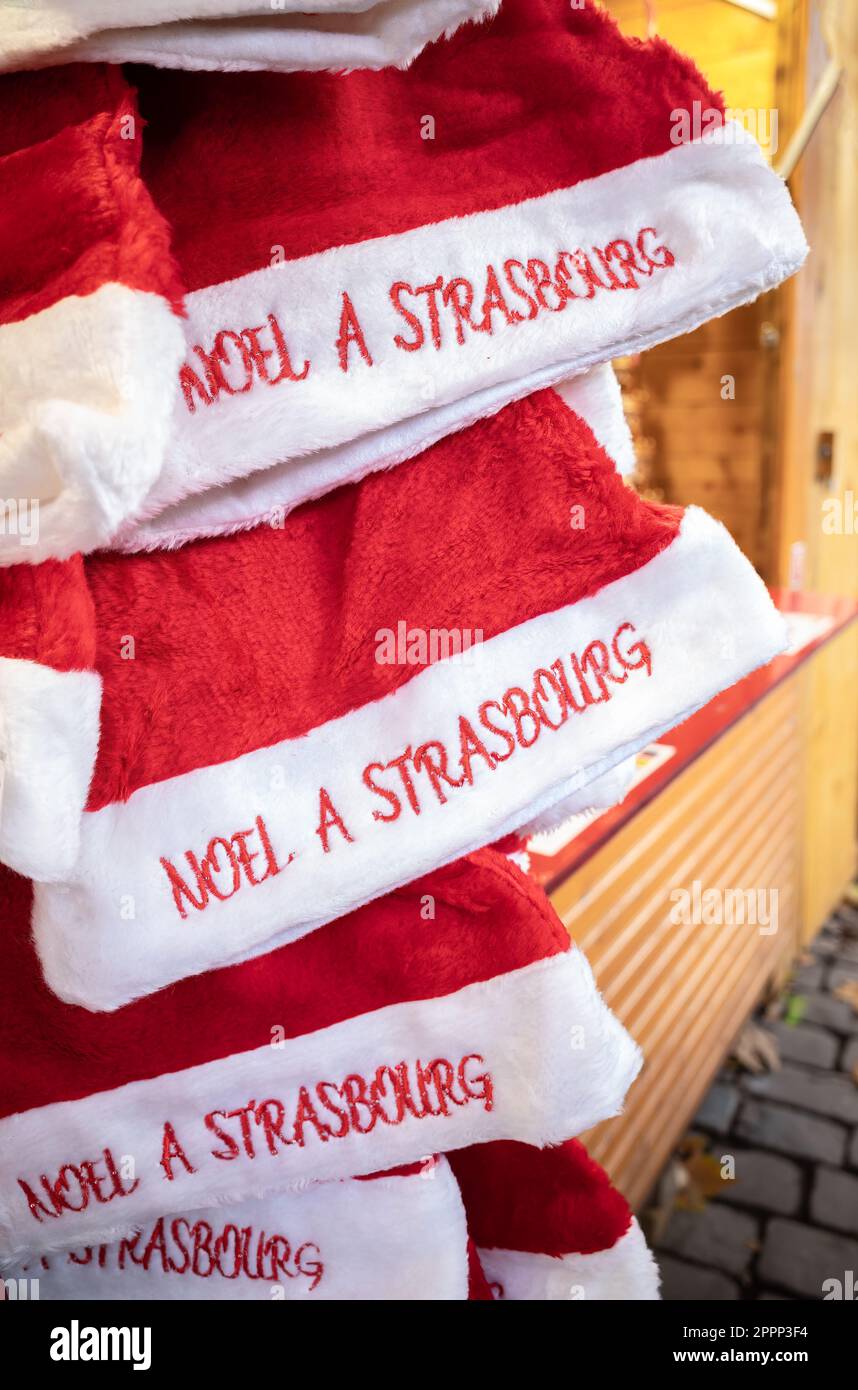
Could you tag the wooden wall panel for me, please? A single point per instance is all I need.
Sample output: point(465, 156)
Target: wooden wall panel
point(830, 700)
point(820, 356)
point(733, 819)
point(713, 451)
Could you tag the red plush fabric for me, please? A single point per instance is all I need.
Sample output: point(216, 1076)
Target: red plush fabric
point(511, 844)
point(78, 215)
point(490, 919)
point(243, 641)
point(545, 95)
point(47, 614)
point(544, 1201)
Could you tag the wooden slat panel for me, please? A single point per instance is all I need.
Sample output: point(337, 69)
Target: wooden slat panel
point(581, 900)
point(830, 689)
point(636, 1157)
point(678, 834)
point(634, 1150)
point(730, 820)
point(679, 996)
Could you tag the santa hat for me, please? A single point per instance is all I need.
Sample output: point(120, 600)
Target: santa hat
point(90, 342)
point(403, 1029)
point(296, 720)
point(269, 495)
point(364, 288)
point(549, 1225)
point(282, 35)
point(50, 689)
point(397, 1236)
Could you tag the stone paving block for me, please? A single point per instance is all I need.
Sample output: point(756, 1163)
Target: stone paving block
point(834, 1200)
point(806, 1043)
point(849, 1060)
point(801, 1258)
point(835, 1014)
point(848, 915)
point(824, 1093)
point(764, 1181)
point(681, 1281)
point(826, 945)
point(719, 1107)
point(717, 1237)
point(808, 976)
point(766, 1125)
point(853, 1150)
point(847, 951)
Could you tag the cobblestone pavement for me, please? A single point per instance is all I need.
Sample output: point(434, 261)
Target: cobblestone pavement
point(789, 1220)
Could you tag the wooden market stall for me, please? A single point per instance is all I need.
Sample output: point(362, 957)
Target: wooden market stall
point(753, 417)
point(725, 802)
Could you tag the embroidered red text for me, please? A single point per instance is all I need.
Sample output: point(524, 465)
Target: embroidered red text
point(499, 728)
point(330, 1110)
point(429, 315)
point(202, 1250)
point(518, 291)
point(75, 1186)
point(247, 857)
point(236, 362)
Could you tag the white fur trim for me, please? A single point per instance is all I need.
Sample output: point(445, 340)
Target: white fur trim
point(627, 1273)
point(597, 398)
point(707, 620)
point(558, 1060)
point(269, 493)
point(521, 858)
point(286, 36)
point(715, 204)
point(598, 795)
point(49, 723)
point(86, 394)
point(394, 1238)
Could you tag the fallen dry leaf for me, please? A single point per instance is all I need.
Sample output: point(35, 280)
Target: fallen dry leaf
point(756, 1050)
point(704, 1180)
point(848, 992)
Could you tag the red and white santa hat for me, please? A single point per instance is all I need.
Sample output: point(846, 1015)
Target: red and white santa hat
point(363, 287)
point(402, 1029)
point(50, 687)
point(280, 35)
point(90, 338)
point(296, 720)
point(397, 1236)
point(549, 1225)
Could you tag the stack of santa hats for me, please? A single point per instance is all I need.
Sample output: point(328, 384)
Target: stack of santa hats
point(321, 579)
